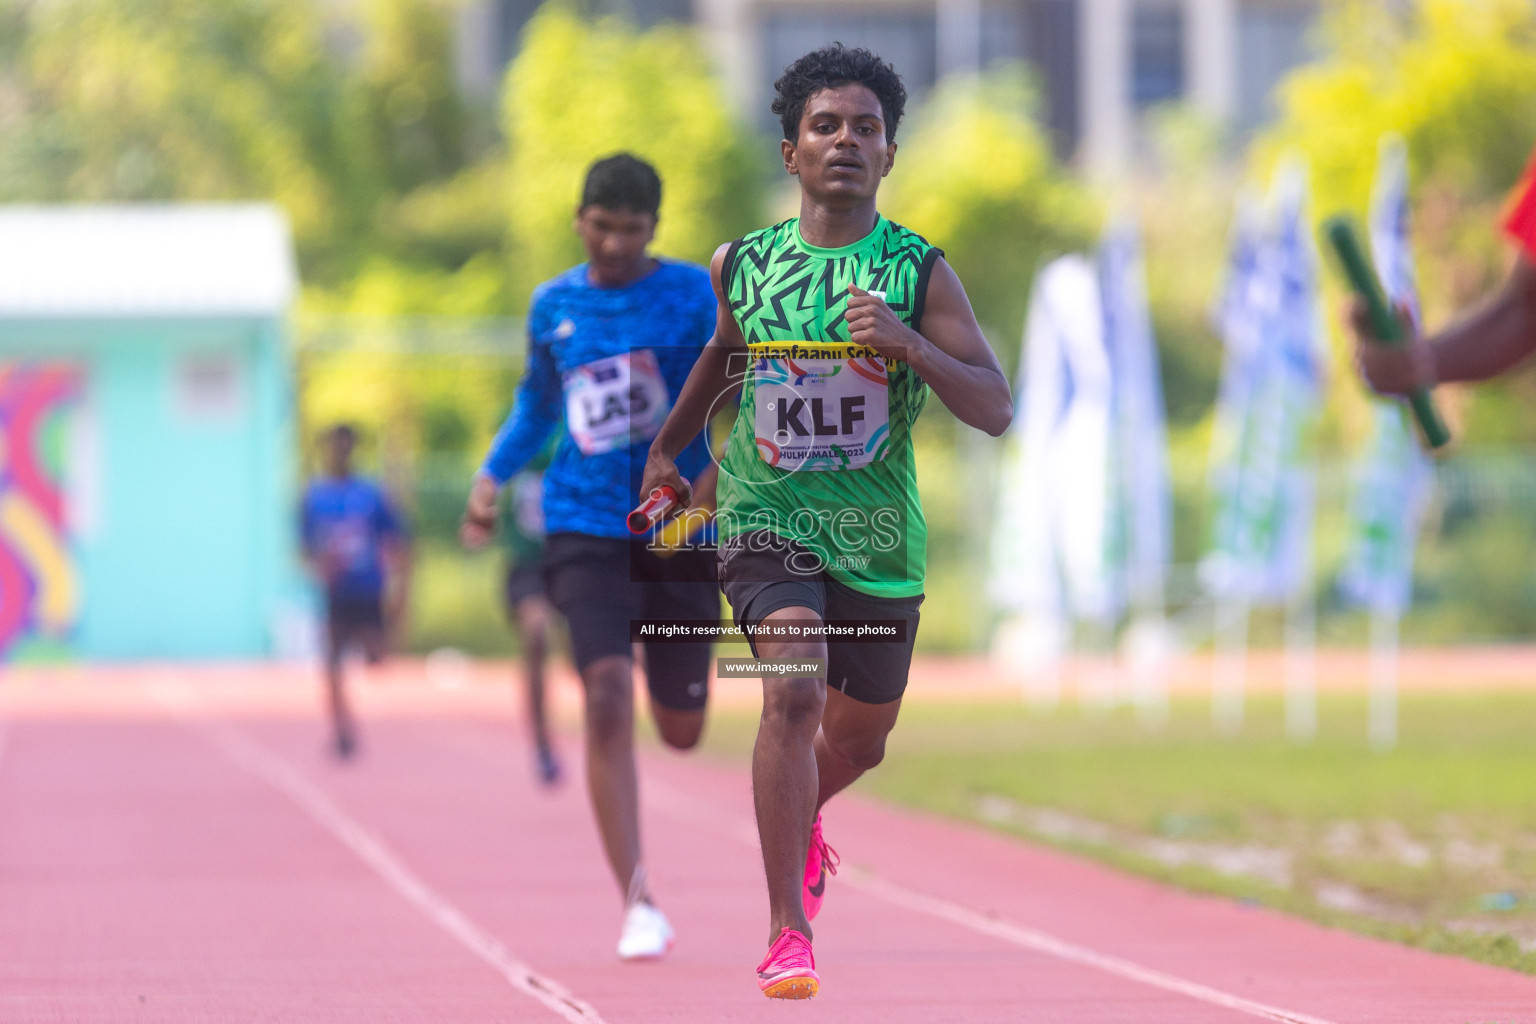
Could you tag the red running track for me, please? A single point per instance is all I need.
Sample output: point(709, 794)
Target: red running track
point(176, 848)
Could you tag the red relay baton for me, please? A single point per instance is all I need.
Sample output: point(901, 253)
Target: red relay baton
point(652, 509)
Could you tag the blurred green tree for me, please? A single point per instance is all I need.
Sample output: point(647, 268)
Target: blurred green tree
point(335, 118)
point(582, 89)
point(348, 117)
point(1458, 82)
point(405, 72)
point(975, 175)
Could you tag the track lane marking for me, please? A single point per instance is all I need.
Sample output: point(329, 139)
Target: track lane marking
point(179, 701)
point(1042, 942)
point(671, 801)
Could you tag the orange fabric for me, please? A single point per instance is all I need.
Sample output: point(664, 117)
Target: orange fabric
point(1520, 221)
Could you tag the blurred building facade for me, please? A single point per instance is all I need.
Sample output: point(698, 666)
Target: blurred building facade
point(1100, 64)
point(146, 432)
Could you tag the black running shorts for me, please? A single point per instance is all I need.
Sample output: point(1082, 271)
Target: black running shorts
point(354, 618)
point(523, 580)
point(762, 573)
point(600, 584)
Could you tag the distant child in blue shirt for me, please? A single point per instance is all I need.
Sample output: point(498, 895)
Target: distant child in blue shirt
point(356, 548)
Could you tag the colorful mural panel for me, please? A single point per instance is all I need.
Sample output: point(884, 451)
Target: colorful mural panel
point(39, 592)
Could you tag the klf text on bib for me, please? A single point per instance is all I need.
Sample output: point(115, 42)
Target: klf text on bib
point(820, 405)
point(615, 402)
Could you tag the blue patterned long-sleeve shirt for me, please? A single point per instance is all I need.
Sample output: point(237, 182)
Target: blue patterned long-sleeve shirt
point(607, 364)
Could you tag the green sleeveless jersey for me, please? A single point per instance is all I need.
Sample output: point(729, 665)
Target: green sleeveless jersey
point(821, 452)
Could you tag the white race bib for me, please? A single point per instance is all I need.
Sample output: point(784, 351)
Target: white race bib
point(820, 405)
point(615, 402)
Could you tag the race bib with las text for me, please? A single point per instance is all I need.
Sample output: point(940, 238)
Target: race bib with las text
point(820, 405)
point(615, 402)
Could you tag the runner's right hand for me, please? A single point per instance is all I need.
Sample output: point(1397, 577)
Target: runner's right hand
point(479, 524)
point(661, 471)
point(1390, 369)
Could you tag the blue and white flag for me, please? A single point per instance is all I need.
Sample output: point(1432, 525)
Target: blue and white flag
point(1140, 542)
point(1300, 338)
point(1391, 481)
point(1238, 322)
point(1261, 469)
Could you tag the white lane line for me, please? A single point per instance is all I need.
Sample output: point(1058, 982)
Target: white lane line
point(1041, 942)
point(179, 702)
point(676, 803)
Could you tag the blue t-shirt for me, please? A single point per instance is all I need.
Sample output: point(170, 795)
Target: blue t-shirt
point(607, 363)
point(345, 523)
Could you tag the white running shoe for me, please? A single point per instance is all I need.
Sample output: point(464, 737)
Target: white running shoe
point(646, 935)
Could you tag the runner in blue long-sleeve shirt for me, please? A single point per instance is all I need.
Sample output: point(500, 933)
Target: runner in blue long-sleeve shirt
point(611, 342)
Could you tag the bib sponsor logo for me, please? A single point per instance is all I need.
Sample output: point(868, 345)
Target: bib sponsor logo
point(615, 402)
point(820, 406)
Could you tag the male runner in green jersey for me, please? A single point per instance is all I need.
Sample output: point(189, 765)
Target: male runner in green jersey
point(834, 325)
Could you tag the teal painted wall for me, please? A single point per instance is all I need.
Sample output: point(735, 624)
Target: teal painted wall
point(190, 547)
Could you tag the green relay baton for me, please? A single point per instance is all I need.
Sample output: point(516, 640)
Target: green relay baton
point(1340, 232)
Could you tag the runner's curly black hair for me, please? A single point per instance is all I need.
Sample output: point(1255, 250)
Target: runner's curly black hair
point(830, 67)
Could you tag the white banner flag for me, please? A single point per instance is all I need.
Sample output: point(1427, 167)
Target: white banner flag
point(1051, 519)
point(1085, 517)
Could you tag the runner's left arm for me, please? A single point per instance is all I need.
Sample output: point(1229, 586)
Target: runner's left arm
point(951, 354)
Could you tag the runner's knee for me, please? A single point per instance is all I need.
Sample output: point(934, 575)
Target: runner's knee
point(532, 622)
point(610, 700)
point(794, 702)
point(861, 751)
point(534, 647)
point(679, 730)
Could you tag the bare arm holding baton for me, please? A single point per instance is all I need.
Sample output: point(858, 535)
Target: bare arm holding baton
point(1486, 342)
point(708, 388)
point(1493, 338)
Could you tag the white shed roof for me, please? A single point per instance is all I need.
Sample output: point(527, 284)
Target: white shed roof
point(203, 259)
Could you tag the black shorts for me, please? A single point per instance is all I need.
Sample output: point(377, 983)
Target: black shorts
point(758, 575)
point(524, 580)
point(354, 618)
point(601, 584)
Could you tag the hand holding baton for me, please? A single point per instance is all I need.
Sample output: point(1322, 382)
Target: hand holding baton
point(652, 510)
point(1340, 233)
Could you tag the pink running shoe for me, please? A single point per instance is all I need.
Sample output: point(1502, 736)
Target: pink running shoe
point(789, 969)
point(820, 861)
